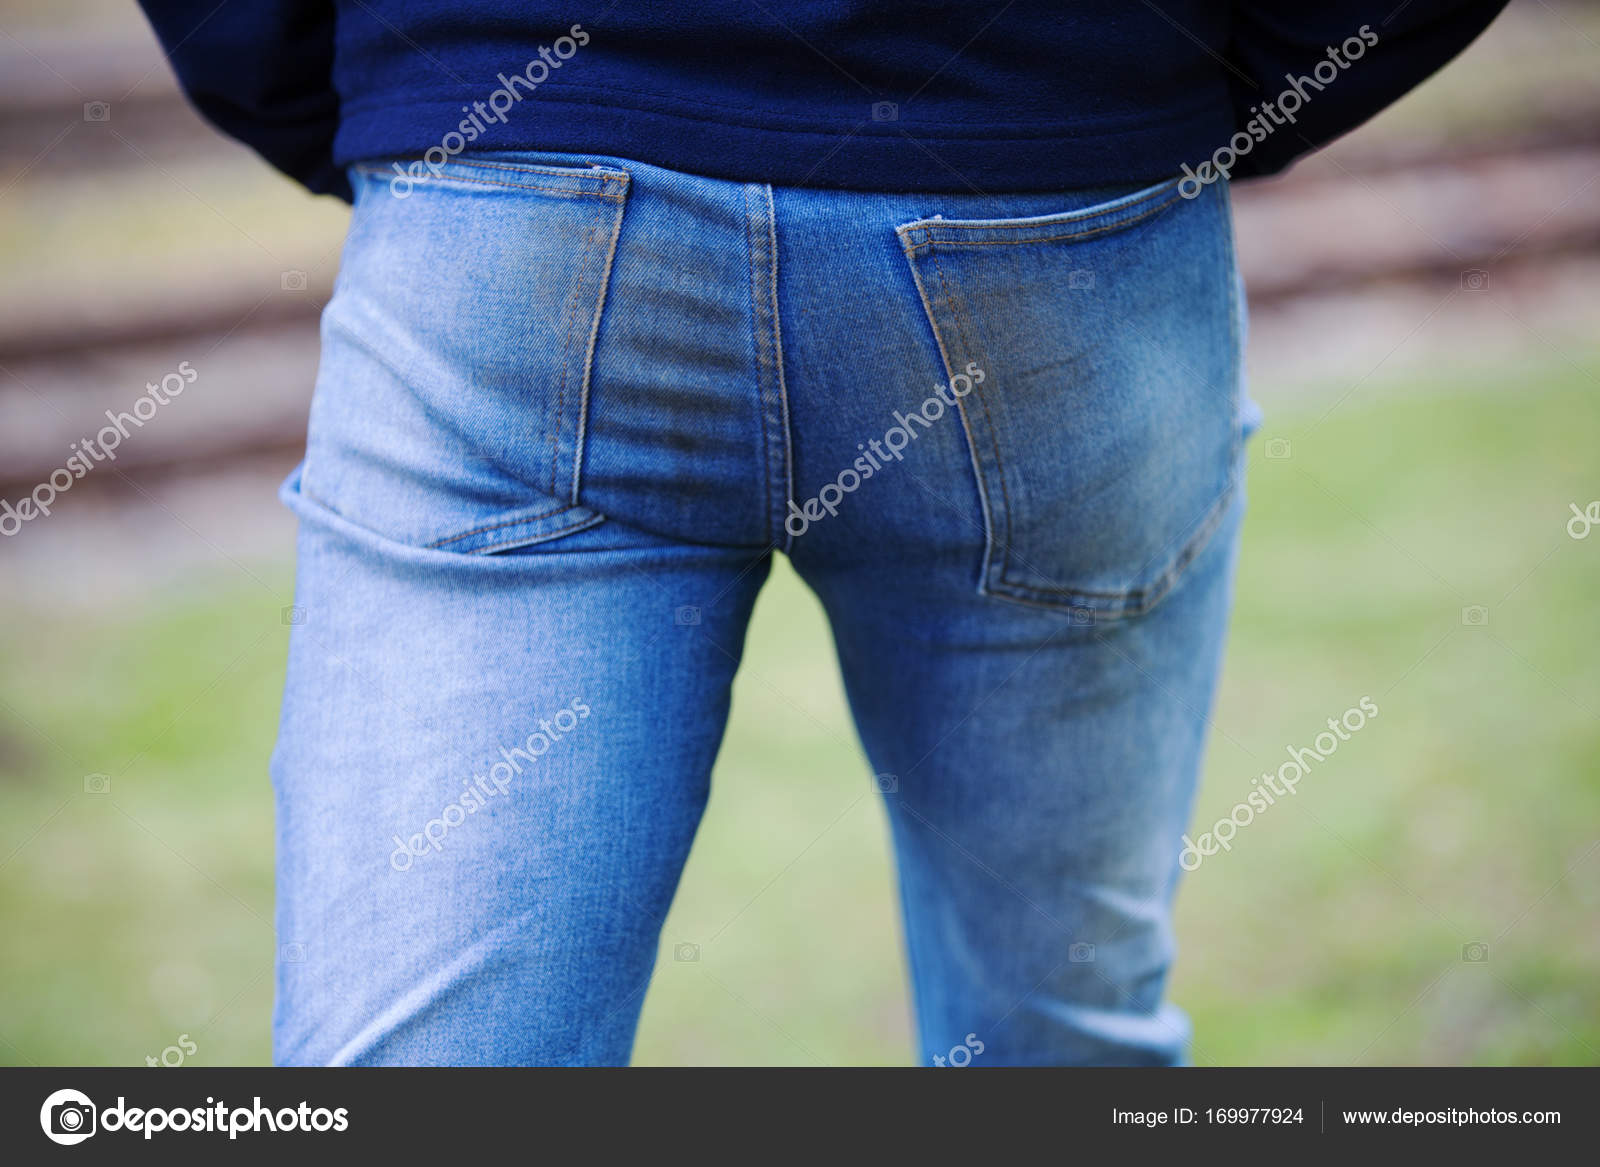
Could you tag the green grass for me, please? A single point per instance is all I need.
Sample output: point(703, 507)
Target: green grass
point(1466, 811)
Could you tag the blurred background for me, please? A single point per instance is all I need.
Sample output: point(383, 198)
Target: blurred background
point(1425, 340)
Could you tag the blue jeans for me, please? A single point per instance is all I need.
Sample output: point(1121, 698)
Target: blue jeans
point(568, 409)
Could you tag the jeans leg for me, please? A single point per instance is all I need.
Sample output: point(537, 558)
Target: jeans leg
point(1024, 501)
point(1039, 776)
point(528, 554)
point(489, 773)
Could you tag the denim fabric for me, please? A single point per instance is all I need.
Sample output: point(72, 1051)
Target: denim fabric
point(568, 409)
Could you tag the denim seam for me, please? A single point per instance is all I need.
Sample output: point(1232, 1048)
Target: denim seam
point(755, 353)
point(317, 498)
point(572, 314)
point(575, 173)
point(1133, 601)
point(590, 520)
point(497, 526)
point(966, 426)
point(1236, 336)
point(589, 349)
point(965, 332)
point(933, 243)
point(569, 316)
point(1038, 222)
point(587, 519)
point(558, 190)
point(777, 356)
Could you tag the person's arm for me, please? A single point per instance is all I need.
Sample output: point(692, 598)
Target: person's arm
point(1277, 42)
point(261, 71)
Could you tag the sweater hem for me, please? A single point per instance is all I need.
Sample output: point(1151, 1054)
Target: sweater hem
point(1014, 159)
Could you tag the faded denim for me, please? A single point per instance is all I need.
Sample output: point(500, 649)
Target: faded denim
point(568, 409)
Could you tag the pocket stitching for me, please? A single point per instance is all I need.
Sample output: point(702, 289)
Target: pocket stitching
point(600, 174)
point(491, 526)
point(450, 176)
point(594, 518)
point(1136, 601)
point(1119, 225)
point(928, 228)
point(571, 316)
point(295, 485)
point(1082, 214)
point(958, 313)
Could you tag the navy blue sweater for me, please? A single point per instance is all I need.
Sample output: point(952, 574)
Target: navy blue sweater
point(903, 95)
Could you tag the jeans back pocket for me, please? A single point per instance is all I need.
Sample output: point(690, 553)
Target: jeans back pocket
point(1105, 430)
point(452, 397)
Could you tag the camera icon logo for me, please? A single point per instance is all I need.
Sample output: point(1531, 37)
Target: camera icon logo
point(68, 1117)
point(1278, 449)
point(1476, 952)
point(1080, 280)
point(1081, 953)
point(686, 953)
point(885, 111)
point(97, 783)
point(294, 615)
point(294, 281)
point(686, 616)
point(1474, 279)
point(886, 784)
point(1083, 617)
point(97, 111)
point(292, 953)
point(1475, 616)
